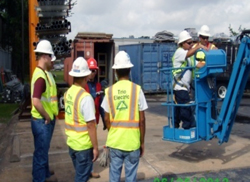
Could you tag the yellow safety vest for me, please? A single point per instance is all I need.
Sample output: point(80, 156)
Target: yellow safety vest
point(53, 93)
point(124, 133)
point(45, 99)
point(75, 125)
point(178, 73)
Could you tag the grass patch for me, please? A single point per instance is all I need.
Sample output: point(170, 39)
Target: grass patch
point(7, 111)
point(59, 76)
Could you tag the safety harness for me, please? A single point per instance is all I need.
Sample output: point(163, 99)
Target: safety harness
point(178, 74)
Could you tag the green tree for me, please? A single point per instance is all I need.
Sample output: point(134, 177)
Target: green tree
point(11, 12)
point(234, 33)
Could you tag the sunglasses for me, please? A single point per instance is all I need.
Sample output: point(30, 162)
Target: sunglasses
point(204, 37)
point(49, 55)
point(189, 43)
point(93, 71)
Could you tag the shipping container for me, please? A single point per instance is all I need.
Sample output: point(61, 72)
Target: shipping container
point(96, 45)
point(148, 59)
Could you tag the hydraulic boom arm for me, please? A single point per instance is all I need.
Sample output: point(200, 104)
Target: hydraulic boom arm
point(236, 86)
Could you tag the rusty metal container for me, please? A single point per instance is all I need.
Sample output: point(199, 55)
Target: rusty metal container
point(97, 45)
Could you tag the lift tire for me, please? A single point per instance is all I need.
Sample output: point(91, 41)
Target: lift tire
point(221, 91)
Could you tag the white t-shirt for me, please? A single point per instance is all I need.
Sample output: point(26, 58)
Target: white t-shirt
point(141, 102)
point(179, 58)
point(87, 108)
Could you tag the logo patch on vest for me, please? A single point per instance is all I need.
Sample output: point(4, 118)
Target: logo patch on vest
point(68, 110)
point(121, 106)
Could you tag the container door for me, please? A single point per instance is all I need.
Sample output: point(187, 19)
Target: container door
point(148, 59)
point(166, 52)
point(134, 52)
point(150, 65)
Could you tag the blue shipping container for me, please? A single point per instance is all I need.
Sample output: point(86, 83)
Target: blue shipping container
point(148, 59)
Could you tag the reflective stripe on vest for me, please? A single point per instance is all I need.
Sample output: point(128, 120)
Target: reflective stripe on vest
point(53, 98)
point(131, 110)
point(76, 126)
point(111, 102)
point(125, 124)
point(53, 93)
point(45, 99)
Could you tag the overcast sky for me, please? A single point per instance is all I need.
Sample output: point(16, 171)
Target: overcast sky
point(123, 18)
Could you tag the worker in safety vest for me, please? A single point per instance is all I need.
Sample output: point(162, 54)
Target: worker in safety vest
point(204, 37)
point(183, 66)
point(80, 124)
point(204, 40)
point(44, 109)
point(124, 104)
point(200, 56)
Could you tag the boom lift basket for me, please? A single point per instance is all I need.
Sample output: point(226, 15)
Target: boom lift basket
point(204, 100)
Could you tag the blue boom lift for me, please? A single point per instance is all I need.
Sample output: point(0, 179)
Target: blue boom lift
point(210, 124)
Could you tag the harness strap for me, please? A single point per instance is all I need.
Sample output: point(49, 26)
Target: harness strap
point(177, 81)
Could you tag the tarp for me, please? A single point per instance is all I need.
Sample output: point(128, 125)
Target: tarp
point(164, 36)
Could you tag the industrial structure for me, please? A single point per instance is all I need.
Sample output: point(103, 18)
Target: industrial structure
point(47, 20)
point(99, 46)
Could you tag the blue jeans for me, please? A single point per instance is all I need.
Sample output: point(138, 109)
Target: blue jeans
point(82, 161)
point(131, 161)
point(42, 137)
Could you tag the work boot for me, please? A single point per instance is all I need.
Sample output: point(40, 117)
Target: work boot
point(94, 175)
point(51, 179)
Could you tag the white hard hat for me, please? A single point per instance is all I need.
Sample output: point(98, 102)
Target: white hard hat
point(204, 31)
point(122, 60)
point(80, 68)
point(183, 36)
point(53, 58)
point(44, 46)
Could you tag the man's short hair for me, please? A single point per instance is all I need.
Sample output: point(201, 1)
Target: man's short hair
point(38, 55)
point(122, 72)
point(77, 79)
